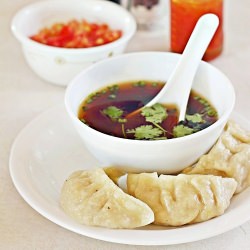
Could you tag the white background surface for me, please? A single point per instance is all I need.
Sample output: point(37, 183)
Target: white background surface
point(23, 96)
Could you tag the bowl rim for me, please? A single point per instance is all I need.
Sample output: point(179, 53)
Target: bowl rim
point(220, 121)
point(25, 40)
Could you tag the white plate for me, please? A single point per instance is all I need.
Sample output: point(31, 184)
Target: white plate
point(48, 150)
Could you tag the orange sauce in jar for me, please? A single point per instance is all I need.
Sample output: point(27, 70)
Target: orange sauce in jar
point(185, 14)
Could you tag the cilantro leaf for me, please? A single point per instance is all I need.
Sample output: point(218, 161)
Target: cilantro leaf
point(181, 130)
point(113, 112)
point(211, 111)
point(145, 132)
point(196, 118)
point(155, 114)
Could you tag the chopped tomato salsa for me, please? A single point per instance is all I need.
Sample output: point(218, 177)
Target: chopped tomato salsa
point(77, 34)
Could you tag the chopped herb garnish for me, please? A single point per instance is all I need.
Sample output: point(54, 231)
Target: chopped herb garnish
point(211, 112)
point(182, 130)
point(93, 96)
point(113, 88)
point(89, 100)
point(155, 114)
point(154, 84)
point(139, 84)
point(208, 109)
point(147, 132)
point(113, 112)
point(195, 118)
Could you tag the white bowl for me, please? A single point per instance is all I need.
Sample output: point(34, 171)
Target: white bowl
point(164, 156)
point(60, 65)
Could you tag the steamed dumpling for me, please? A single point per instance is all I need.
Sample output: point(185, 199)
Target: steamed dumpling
point(229, 157)
point(182, 199)
point(91, 198)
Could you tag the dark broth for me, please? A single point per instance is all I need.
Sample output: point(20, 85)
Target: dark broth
point(109, 111)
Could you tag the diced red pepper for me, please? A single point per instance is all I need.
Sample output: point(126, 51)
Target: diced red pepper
point(77, 34)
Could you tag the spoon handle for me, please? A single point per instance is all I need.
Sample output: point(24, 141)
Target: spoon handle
point(177, 89)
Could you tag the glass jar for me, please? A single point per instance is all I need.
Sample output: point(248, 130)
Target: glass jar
point(185, 14)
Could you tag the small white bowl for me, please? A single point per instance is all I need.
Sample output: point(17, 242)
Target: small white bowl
point(60, 65)
point(164, 156)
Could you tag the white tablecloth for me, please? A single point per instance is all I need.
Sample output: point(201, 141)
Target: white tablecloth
point(23, 96)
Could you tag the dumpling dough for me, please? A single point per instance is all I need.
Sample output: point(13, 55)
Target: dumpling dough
point(229, 157)
point(91, 198)
point(182, 199)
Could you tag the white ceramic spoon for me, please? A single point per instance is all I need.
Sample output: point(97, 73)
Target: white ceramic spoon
point(179, 84)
